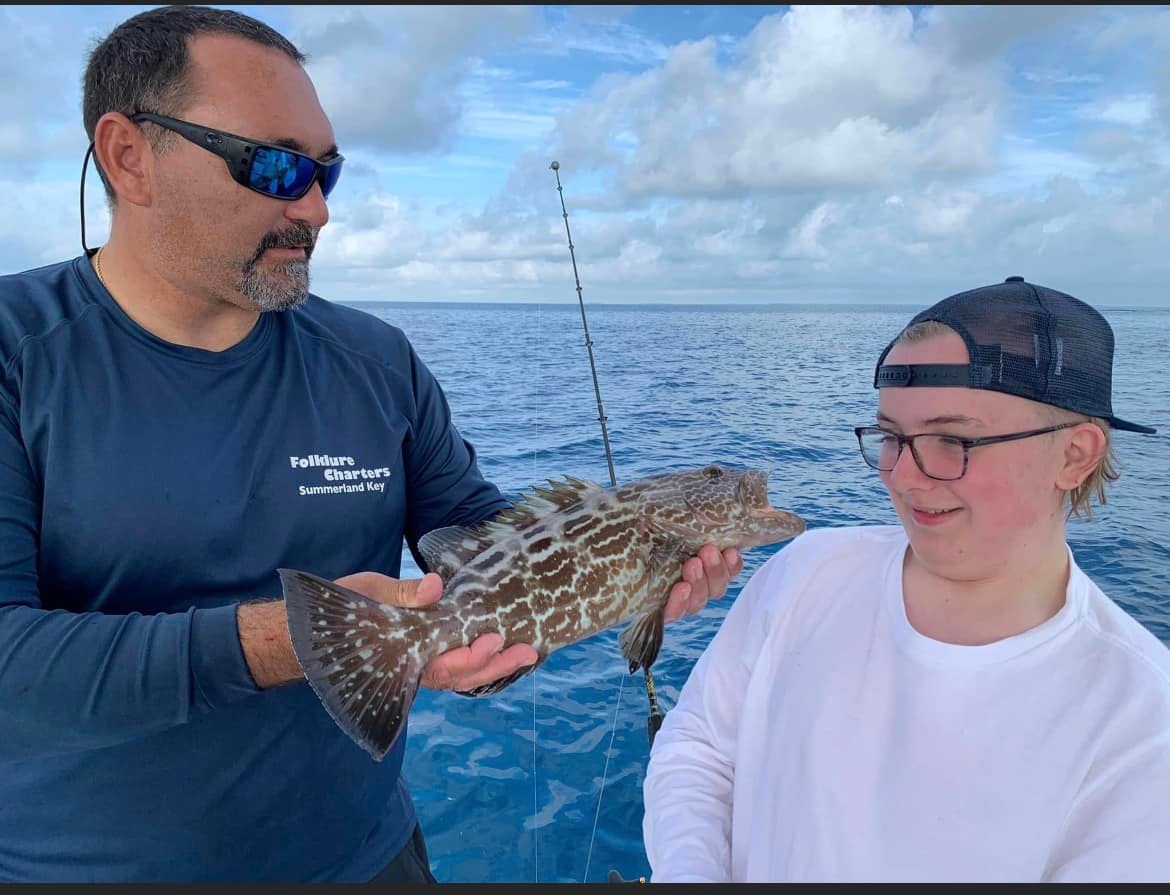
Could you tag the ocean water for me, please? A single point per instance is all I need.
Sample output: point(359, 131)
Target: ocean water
point(542, 782)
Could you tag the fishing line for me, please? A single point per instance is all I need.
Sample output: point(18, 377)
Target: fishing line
point(604, 777)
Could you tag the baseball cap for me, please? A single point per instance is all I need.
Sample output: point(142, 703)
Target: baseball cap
point(1022, 339)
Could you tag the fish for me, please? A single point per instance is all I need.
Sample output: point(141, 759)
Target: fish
point(559, 565)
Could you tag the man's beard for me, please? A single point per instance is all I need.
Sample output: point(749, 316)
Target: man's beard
point(285, 285)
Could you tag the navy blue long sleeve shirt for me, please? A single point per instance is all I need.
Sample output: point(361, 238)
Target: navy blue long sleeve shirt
point(146, 489)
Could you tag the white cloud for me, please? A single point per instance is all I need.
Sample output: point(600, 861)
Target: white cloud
point(374, 232)
point(805, 240)
point(390, 77)
point(43, 53)
point(973, 33)
point(1058, 77)
point(1134, 110)
point(41, 225)
point(596, 31)
point(941, 213)
point(819, 98)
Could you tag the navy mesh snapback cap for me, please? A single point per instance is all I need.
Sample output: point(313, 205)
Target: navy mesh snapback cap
point(1025, 340)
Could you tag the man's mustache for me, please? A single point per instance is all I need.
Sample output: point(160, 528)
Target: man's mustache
point(298, 235)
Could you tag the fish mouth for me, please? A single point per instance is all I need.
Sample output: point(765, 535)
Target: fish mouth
point(776, 520)
point(769, 513)
point(760, 508)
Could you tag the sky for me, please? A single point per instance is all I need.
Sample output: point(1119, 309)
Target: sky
point(713, 154)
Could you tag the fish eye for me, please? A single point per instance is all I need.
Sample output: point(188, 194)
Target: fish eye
point(712, 472)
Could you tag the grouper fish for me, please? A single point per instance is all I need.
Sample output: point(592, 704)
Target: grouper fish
point(560, 565)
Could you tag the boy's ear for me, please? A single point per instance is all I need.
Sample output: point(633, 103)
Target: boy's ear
point(1083, 452)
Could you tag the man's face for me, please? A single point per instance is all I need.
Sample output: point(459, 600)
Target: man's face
point(1006, 502)
point(214, 236)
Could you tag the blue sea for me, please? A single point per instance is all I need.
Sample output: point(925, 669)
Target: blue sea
point(543, 782)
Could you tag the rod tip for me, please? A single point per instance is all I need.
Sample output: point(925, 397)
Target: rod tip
point(555, 165)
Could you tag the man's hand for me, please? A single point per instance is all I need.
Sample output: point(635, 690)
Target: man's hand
point(705, 577)
point(463, 668)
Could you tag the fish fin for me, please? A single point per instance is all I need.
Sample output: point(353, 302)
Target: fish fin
point(664, 566)
point(508, 680)
point(513, 519)
point(669, 538)
point(358, 656)
point(448, 549)
point(531, 508)
point(567, 493)
point(642, 640)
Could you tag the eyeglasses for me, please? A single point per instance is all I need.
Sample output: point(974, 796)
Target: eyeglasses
point(940, 457)
point(275, 171)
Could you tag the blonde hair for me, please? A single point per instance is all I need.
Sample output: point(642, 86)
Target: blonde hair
point(1080, 499)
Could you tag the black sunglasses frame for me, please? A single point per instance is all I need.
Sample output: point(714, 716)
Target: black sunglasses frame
point(967, 444)
point(236, 151)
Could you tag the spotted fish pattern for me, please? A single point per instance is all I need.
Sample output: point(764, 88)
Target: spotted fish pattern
point(560, 565)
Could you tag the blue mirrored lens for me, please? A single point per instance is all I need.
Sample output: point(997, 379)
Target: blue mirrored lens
point(288, 175)
point(280, 173)
point(330, 177)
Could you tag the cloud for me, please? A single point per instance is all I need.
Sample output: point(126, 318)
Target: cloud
point(1058, 77)
point(974, 34)
point(598, 32)
point(1134, 110)
point(41, 226)
point(43, 52)
point(391, 77)
point(805, 239)
point(818, 98)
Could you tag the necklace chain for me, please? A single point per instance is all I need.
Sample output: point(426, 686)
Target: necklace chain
point(97, 266)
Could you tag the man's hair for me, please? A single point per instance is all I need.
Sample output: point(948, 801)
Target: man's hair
point(1081, 498)
point(142, 65)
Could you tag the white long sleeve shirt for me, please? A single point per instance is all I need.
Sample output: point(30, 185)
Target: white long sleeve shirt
point(820, 737)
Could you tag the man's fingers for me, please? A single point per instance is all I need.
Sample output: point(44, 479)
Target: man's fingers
point(705, 576)
point(461, 661)
point(425, 590)
point(408, 592)
point(677, 602)
point(733, 560)
point(715, 570)
point(499, 666)
point(468, 667)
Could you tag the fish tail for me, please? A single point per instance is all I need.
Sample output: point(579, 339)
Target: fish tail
point(363, 658)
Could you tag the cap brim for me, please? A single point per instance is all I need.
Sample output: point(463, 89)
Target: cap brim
point(1116, 423)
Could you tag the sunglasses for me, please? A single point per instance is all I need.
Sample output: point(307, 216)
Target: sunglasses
point(274, 171)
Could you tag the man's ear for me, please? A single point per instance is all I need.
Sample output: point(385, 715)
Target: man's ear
point(126, 158)
point(1083, 451)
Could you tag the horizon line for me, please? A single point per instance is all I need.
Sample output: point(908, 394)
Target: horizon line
point(675, 303)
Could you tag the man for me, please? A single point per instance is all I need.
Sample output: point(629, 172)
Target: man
point(950, 699)
point(172, 409)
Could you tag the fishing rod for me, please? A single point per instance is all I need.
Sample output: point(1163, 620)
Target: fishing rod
point(654, 721)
